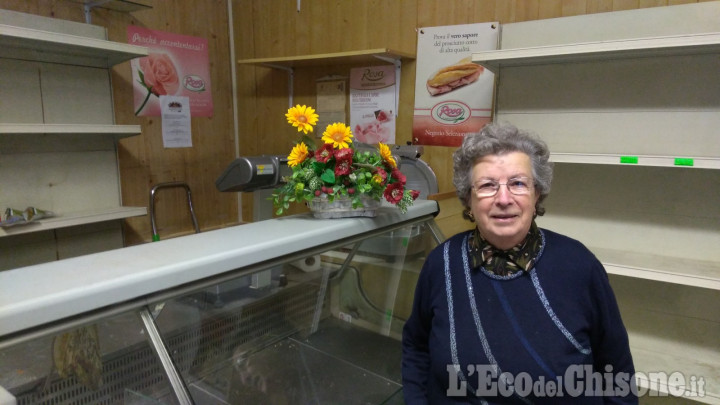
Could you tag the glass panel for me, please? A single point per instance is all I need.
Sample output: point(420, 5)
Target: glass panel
point(309, 331)
point(376, 290)
point(92, 364)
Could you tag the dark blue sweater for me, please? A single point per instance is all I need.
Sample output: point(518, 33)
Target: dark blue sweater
point(557, 325)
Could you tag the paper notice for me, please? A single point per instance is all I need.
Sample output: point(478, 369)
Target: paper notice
point(176, 130)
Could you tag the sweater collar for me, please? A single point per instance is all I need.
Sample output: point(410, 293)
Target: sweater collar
point(521, 257)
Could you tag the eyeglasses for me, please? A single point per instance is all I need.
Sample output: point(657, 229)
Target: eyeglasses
point(489, 187)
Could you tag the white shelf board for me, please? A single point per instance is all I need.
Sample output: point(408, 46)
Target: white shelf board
point(695, 273)
point(75, 218)
point(38, 138)
point(637, 160)
point(605, 50)
point(653, 356)
point(45, 46)
point(119, 131)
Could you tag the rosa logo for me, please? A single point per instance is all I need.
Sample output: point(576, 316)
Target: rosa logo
point(450, 112)
point(194, 83)
point(373, 75)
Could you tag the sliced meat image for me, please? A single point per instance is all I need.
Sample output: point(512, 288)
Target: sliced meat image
point(451, 77)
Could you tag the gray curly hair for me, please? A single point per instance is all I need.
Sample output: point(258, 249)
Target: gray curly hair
point(500, 139)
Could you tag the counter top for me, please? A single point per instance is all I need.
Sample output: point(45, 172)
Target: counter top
point(36, 295)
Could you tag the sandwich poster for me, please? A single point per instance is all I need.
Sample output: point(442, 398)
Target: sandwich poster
point(453, 96)
point(176, 65)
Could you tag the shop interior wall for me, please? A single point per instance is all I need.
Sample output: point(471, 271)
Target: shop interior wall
point(275, 28)
point(271, 28)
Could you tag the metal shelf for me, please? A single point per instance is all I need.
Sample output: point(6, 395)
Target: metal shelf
point(121, 131)
point(675, 270)
point(603, 50)
point(55, 47)
point(75, 218)
point(637, 160)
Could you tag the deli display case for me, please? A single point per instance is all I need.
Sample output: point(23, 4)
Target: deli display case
point(283, 311)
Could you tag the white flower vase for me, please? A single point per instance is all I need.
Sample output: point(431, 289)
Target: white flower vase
point(341, 207)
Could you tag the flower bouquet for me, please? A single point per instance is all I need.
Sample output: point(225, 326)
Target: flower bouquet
point(337, 170)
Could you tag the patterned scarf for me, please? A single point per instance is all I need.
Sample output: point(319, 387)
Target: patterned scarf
point(505, 262)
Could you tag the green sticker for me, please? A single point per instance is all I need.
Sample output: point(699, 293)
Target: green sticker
point(633, 160)
point(388, 314)
point(684, 162)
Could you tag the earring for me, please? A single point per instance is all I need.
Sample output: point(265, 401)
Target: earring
point(470, 215)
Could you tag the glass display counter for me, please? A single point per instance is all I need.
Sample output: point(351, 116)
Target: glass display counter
point(284, 311)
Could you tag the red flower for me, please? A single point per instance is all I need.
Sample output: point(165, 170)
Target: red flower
point(414, 194)
point(397, 175)
point(382, 173)
point(394, 193)
point(324, 154)
point(344, 153)
point(343, 161)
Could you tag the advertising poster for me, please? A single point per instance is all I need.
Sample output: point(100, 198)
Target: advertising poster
point(453, 96)
point(372, 104)
point(176, 65)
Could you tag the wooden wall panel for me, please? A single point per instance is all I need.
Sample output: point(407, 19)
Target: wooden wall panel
point(324, 26)
point(144, 161)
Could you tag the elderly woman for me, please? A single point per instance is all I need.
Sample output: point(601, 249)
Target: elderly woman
point(509, 312)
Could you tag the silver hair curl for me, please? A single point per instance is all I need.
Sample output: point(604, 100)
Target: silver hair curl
point(500, 139)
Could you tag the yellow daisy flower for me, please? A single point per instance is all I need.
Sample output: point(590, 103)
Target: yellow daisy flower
point(338, 134)
point(298, 154)
point(387, 155)
point(302, 117)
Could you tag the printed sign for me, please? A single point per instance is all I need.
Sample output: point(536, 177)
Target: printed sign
point(372, 104)
point(176, 130)
point(176, 65)
point(453, 96)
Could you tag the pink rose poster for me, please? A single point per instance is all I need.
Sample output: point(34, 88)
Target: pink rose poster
point(453, 96)
point(176, 65)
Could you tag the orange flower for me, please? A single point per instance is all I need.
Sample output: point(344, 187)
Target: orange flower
point(338, 134)
point(387, 155)
point(302, 117)
point(298, 154)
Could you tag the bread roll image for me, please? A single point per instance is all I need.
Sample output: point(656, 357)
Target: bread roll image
point(451, 77)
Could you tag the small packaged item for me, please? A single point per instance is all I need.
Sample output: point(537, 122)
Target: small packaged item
point(13, 217)
point(32, 213)
point(16, 217)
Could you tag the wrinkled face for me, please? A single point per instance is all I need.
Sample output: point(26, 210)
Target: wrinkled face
point(505, 218)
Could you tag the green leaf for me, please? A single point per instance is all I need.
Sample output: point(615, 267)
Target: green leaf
point(318, 166)
point(328, 176)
